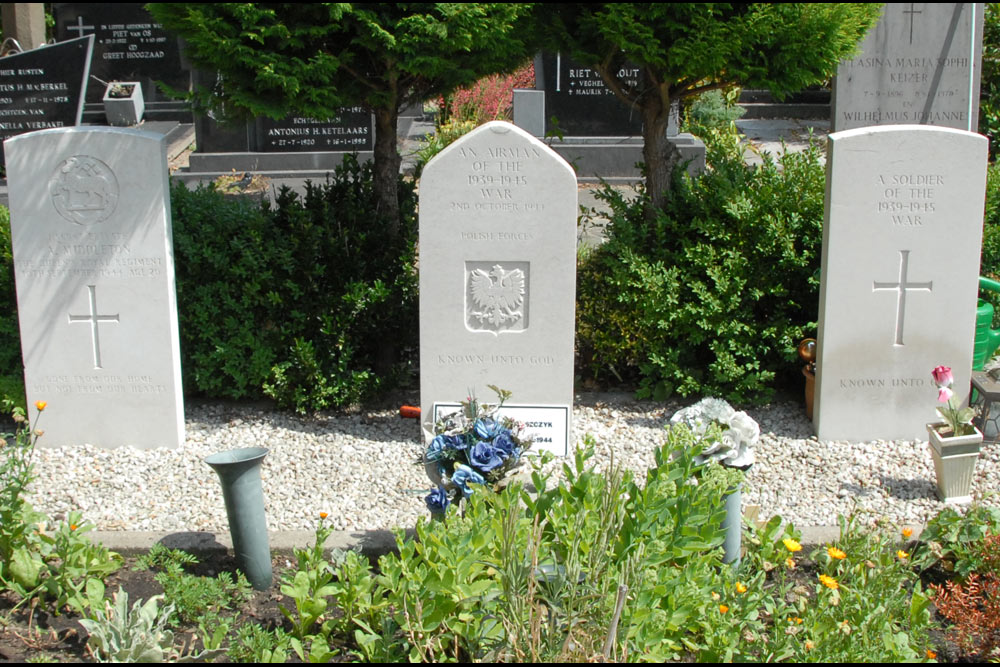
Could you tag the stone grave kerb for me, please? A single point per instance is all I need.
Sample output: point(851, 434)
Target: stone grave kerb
point(497, 204)
point(78, 199)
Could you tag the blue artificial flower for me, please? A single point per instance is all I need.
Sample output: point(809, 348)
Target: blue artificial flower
point(485, 457)
point(435, 450)
point(437, 501)
point(455, 441)
point(504, 442)
point(486, 428)
point(463, 476)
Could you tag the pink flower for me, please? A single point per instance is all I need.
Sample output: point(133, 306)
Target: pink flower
point(942, 377)
point(944, 395)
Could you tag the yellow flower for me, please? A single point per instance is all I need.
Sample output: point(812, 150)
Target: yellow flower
point(907, 532)
point(789, 563)
point(829, 582)
point(740, 588)
point(902, 555)
point(40, 405)
point(723, 609)
point(791, 545)
point(834, 552)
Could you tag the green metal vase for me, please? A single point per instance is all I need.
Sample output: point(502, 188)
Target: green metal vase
point(239, 473)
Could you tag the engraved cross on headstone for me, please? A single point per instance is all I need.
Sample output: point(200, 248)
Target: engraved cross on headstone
point(94, 320)
point(901, 287)
point(79, 27)
point(911, 12)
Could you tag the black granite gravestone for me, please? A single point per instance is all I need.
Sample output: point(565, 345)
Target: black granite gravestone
point(351, 130)
point(582, 103)
point(129, 45)
point(43, 88)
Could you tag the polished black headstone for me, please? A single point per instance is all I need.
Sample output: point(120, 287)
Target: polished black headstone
point(351, 130)
point(129, 45)
point(581, 102)
point(43, 88)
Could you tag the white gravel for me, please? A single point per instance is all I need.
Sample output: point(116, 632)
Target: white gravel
point(359, 468)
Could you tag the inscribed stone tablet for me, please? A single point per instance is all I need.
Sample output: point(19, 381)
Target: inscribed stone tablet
point(901, 245)
point(43, 88)
point(93, 262)
point(583, 104)
point(498, 278)
point(921, 63)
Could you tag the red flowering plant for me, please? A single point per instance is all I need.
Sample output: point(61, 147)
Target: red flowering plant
point(958, 419)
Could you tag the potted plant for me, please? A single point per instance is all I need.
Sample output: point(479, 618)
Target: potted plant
point(123, 103)
point(954, 443)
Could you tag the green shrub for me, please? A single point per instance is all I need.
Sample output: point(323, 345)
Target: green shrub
point(713, 295)
point(294, 300)
point(989, 105)
point(12, 378)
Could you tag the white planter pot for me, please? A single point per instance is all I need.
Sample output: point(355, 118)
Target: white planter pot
point(954, 463)
point(124, 111)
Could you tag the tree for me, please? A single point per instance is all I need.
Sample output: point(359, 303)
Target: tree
point(313, 58)
point(683, 49)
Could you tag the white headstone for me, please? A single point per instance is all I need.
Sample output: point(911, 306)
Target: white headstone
point(901, 246)
point(497, 264)
point(93, 263)
point(921, 63)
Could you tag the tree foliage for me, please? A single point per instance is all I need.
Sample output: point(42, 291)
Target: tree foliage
point(313, 58)
point(683, 49)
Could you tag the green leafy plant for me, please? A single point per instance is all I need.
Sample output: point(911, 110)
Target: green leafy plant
point(137, 635)
point(255, 644)
point(679, 304)
point(207, 602)
point(310, 585)
point(954, 539)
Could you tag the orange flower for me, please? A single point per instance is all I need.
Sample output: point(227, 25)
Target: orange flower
point(72, 526)
point(740, 588)
point(723, 609)
point(902, 555)
point(907, 532)
point(323, 515)
point(789, 563)
point(810, 645)
point(834, 552)
point(40, 405)
point(931, 654)
point(829, 582)
point(791, 545)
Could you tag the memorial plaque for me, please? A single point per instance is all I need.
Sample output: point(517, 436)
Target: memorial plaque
point(43, 88)
point(900, 277)
point(353, 129)
point(93, 265)
point(921, 63)
point(581, 102)
point(498, 279)
point(129, 45)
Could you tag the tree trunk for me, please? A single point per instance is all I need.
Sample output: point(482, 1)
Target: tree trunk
point(387, 161)
point(387, 168)
point(660, 155)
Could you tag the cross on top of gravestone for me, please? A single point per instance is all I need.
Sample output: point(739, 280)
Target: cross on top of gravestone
point(497, 279)
point(901, 287)
point(903, 199)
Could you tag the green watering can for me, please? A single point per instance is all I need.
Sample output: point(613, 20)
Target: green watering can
point(987, 339)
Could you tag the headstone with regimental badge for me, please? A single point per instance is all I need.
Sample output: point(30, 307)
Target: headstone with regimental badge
point(498, 280)
point(93, 263)
point(900, 276)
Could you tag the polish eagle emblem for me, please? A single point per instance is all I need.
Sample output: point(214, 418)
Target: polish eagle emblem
point(498, 295)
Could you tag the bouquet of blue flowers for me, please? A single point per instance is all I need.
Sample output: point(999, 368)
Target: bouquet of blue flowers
point(475, 445)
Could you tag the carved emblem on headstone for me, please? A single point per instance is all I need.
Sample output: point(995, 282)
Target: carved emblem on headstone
point(496, 297)
point(84, 190)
